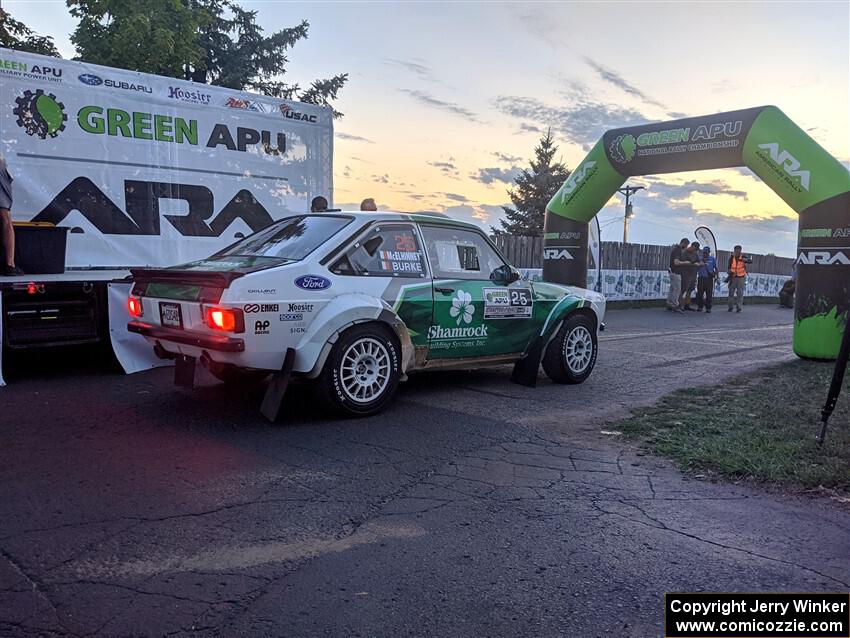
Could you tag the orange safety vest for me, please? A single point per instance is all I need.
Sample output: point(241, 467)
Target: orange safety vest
point(738, 267)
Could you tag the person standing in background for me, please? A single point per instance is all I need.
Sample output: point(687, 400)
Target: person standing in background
point(7, 231)
point(689, 274)
point(737, 278)
point(368, 204)
point(676, 266)
point(319, 204)
point(705, 280)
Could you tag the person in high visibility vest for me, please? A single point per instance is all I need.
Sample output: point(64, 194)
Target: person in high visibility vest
point(737, 278)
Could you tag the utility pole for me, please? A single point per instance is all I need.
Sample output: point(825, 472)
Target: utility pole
point(628, 191)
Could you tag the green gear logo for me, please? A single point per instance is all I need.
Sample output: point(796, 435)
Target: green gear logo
point(623, 148)
point(40, 114)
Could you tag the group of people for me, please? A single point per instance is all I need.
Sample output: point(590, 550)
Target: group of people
point(320, 205)
point(694, 268)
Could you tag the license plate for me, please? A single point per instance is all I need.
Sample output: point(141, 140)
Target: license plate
point(169, 315)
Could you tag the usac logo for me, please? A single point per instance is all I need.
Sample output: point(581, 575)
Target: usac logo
point(261, 327)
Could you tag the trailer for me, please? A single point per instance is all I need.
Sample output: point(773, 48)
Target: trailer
point(115, 169)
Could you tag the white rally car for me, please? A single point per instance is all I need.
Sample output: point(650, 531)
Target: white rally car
point(357, 301)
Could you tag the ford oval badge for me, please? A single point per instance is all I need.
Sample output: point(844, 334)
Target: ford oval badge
point(313, 282)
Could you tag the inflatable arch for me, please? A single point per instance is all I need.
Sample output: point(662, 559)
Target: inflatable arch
point(801, 172)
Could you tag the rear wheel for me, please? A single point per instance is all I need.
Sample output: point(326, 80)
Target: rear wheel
point(362, 371)
point(571, 355)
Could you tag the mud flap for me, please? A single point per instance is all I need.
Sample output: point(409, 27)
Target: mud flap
point(273, 398)
point(525, 370)
point(184, 371)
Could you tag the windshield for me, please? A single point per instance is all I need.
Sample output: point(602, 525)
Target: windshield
point(291, 239)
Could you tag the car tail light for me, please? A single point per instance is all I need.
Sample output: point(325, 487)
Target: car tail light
point(134, 306)
point(224, 319)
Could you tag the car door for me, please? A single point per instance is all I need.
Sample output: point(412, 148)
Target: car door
point(474, 316)
point(389, 263)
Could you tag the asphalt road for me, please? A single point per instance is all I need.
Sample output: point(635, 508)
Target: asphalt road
point(473, 507)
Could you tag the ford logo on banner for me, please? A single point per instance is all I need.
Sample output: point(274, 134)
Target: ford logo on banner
point(91, 79)
point(312, 282)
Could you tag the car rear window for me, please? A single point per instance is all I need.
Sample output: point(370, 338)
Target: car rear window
point(291, 239)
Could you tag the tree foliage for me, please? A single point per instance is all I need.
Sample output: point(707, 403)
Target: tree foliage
point(532, 190)
point(209, 41)
point(16, 35)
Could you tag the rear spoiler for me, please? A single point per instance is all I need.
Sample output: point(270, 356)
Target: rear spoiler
point(188, 277)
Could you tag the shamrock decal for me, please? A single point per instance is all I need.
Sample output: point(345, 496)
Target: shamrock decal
point(462, 307)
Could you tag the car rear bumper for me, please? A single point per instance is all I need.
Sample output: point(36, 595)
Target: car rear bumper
point(220, 343)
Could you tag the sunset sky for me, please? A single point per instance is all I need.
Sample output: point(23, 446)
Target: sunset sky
point(445, 102)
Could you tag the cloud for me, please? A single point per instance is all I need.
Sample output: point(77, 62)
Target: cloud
point(612, 77)
point(346, 172)
point(496, 174)
point(353, 138)
point(421, 70)
point(456, 197)
point(510, 159)
point(525, 127)
point(448, 167)
point(683, 191)
point(582, 122)
point(449, 107)
point(382, 179)
point(490, 211)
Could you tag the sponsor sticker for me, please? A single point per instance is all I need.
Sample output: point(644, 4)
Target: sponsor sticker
point(313, 282)
point(261, 327)
point(292, 316)
point(251, 308)
point(300, 307)
point(507, 303)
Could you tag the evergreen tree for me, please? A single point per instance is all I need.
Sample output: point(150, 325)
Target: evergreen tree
point(16, 35)
point(209, 41)
point(533, 189)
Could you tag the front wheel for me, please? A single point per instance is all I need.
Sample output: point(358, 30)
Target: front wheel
point(362, 371)
point(571, 355)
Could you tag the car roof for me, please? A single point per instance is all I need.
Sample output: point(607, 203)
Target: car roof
point(388, 215)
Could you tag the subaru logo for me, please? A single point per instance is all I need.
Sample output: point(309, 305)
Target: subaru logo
point(91, 79)
point(312, 282)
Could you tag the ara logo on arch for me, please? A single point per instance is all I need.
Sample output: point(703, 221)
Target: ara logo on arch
point(576, 179)
point(823, 258)
point(787, 162)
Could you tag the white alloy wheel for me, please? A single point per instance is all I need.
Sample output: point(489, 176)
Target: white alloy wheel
point(578, 349)
point(365, 370)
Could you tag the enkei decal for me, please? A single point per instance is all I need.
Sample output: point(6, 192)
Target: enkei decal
point(507, 303)
point(251, 308)
point(261, 327)
point(313, 282)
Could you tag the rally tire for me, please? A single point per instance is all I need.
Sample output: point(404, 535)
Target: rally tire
point(571, 355)
point(362, 371)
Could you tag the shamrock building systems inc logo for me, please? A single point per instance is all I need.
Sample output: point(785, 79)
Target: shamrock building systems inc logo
point(40, 114)
point(622, 148)
point(462, 307)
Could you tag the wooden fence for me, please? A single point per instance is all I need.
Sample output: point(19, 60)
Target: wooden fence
point(527, 252)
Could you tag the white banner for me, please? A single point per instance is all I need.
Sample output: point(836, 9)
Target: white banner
point(625, 285)
point(148, 170)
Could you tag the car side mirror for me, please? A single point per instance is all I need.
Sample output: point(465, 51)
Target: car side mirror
point(504, 275)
